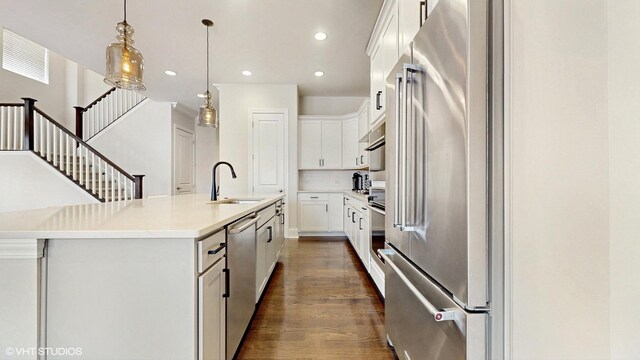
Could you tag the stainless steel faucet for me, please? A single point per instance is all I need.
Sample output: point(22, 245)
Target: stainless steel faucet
point(215, 189)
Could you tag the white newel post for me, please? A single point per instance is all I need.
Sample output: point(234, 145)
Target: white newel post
point(21, 271)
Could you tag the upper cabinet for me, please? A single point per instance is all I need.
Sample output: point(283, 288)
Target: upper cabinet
point(350, 154)
point(410, 16)
point(320, 144)
point(310, 144)
point(377, 83)
point(330, 142)
point(397, 24)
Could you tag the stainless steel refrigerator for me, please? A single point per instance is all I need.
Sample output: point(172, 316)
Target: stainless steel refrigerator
point(437, 260)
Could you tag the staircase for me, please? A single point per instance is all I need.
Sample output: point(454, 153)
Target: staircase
point(104, 111)
point(24, 127)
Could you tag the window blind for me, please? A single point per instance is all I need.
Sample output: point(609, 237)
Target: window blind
point(24, 57)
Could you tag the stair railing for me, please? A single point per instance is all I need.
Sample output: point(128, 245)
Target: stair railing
point(27, 128)
point(104, 111)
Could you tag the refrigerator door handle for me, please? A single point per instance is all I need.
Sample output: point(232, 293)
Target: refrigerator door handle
point(396, 197)
point(438, 314)
point(406, 69)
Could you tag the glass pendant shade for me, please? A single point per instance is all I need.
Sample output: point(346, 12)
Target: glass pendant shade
point(208, 116)
point(124, 62)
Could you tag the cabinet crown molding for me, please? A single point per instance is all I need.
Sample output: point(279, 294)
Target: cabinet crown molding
point(328, 117)
point(383, 16)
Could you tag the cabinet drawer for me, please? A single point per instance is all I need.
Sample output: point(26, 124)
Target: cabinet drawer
point(214, 243)
point(313, 196)
point(266, 214)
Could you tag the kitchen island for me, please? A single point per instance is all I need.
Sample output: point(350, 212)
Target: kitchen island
point(142, 279)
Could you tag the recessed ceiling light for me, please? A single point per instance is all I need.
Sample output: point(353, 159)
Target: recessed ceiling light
point(320, 36)
point(318, 73)
point(202, 96)
point(170, 73)
point(246, 73)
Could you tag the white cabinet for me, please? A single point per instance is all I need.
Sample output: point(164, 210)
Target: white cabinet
point(265, 255)
point(313, 216)
point(350, 151)
point(320, 144)
point(357, 227)
point(390, 42)
point(211, 313)
point(363, 120)
point(377, 95)
point(310, 144)
point(262, 236)
point(332, 144)
point(320, 212)
point(271, 255)
point(384, 55)
point(279, 231)
point(364, 236)
point(335, 212)
point(409, 21)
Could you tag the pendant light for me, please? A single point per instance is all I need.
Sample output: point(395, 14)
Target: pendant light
point(207, 115)
point(124, 62)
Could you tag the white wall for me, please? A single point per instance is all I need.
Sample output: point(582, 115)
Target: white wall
point(235, 102)
point(51, 97)
point(326, 180)
point(30, 183)
point(207, 154)
point(69, 85)
point(140, 143)
point(558, 210)
point(624, 176)
point(329, 105)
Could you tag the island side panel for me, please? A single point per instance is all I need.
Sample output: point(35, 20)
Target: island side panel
point(123, 298)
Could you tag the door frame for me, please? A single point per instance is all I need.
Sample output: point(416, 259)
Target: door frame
point(285, 131)
point(173, 157)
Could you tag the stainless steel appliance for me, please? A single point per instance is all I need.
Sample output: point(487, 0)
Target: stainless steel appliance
point(241, 277)
point(376, 148)
point(377, 216)
point(437, 266)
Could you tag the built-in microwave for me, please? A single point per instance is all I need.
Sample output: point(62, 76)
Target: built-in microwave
point(376, 148)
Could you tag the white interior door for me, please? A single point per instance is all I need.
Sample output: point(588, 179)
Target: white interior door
point(268, 152)
point(183, 155)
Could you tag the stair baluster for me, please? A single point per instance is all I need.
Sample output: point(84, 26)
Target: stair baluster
point(24, 127)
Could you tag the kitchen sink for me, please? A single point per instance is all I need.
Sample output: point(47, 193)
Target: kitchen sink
point(236, 201)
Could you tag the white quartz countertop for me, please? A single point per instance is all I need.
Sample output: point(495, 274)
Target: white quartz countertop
point(181, 216)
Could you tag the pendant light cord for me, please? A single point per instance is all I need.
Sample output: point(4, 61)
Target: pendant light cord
point(125, 11)
point(207, 58)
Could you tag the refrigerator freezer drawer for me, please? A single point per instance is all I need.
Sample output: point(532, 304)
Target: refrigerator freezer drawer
point(423, 322)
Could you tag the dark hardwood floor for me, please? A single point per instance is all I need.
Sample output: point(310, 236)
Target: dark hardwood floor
point(318, 305)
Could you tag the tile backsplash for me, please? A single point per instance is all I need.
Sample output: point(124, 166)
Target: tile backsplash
point(325, 180)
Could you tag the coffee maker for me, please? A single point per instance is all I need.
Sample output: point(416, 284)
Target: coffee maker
point(357, 181)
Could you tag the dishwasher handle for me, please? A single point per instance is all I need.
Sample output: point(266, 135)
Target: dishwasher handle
point(240, 228)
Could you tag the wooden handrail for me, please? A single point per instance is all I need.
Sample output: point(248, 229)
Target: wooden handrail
point(12, 104)
point(100, 98)
point(79, 140)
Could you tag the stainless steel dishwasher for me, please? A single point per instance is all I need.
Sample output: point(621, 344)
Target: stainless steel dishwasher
point(241, 279)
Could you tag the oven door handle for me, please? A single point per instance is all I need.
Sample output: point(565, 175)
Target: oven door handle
point(375, 209)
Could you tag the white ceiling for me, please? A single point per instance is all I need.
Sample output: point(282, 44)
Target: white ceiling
point(274, 39)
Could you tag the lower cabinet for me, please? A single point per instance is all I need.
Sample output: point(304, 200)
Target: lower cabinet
point(357, 227)
point(211, 313)
point(265, 254)
point(314, 216)
point(320, 212)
